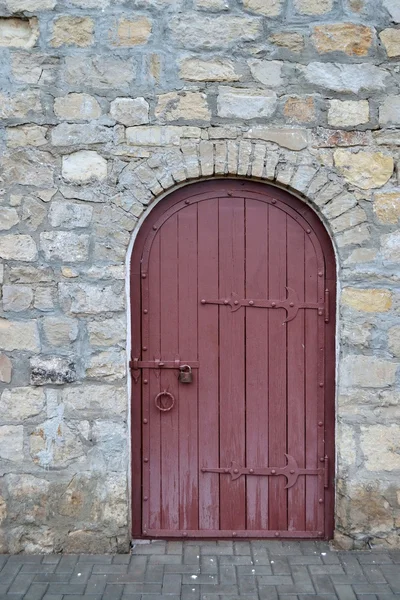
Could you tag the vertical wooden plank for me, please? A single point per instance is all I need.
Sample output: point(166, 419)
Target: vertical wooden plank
point(169, 381)
point(277, 368)
point(296, 374)
point(232, 360)
point(151, 323)
point(136, 406)
point(257, 362)
point(311, 387)
point(209, 364)
point(188, 303)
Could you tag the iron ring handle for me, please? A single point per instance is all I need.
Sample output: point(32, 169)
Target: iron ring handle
point(158, 403)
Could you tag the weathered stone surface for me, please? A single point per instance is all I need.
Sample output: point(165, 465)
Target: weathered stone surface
point(267, 72)
point(109, 332)
point(393, 7)
point(216, 5)
point(367, 300)
point(380, 444)
point(348, 113)
point(366, 170)
point(52, 370)
point(214, 32)
point(313, 7)
point(387, 207)
point(92, 299)
point(11, 443)
point(391, 40)
point(332, 138)
point(70, 215)
point(18, 247)
point(17, 298)
point(393, 338)
point(72, 31)
point(8, 218)
point(33, 213)
point(218, 69)
point(18, 404)
point(18, 33)
point(356, 334)
point(94, 401)
point(26, 135)
point(185, 106)
point(131, 32)
point(345, 78)
point(107, 366)
point(235, 103)
point(44, 300)
point(130, 111)
point(272, 8)
point(32, 6)
point(60, 331)
point(352, 39)
point(20, 105)
point(300, 110)
point(367, 372)
point(292, 41)
point(99, 72)
point(34, 68)
point(55, 444)
point(29, 167)
point(389, 111)
point(72, 134)
point(84, 166)
point(390, 246)
point(294, 139)
point(63, 245)
point(5, 368)
point(339, 205)
point(347, 445)
point(77, 106)
point(160, 136)
point(349, 219)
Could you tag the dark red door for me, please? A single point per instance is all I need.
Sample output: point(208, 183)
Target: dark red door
point(236, 280)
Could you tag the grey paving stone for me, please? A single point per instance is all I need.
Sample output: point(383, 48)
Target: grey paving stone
point(172, 583)
point(121, 559)
point(240, 548)
point(113, 592)
point(21, 583)
point(142, 588)
point(9, 573)
point(174, 547)
point(227, 574)
point(154, 574)
point(323, 584)
point(345, 592)
point(152, 548)
point(235, 560)
point(98, 569)
point(36, 591)
point(66, 589)
point(165, 559)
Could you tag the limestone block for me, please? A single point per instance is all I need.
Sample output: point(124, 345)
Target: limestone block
point(214, 32)
point(218, 69)
point(394, 340)
point(90, 3)
point(64, 245)
point(292, 41)
point(110, 438)
point(44, 299)
point(391, 40)
point(367, 372)
point(349, 219)
point(361, 255)
point(70, 134)
point(390, 246)
point(356, 334)
point(30, 274)
point(216, 5)
point(130, 111)
point(346, 443)
point(352, 39)
point(355, 236)
point(72, 31)
point(21, 403)
point(70, 215)
point(84, 166)
point(5, 368)
point(17, 6)
point(365, 170)
point(18, 33)
point(339, 205)
point(108, 332)
point(389, 111)
point(294, 139)
point(348, 113)
point(367, 300)
point(91, 298)
point(393, 7)
point(300, 110)
point(235, 103)
point(60, 331)
point(380, 445)
point(132, 32)
point(185, 106)
point(20, 105)
point(77, 106)
point(53, 370)
point(12, 443)
point(19, 335)
point(55, 444)
point(272, 8)
point(160, 136)
point(91, 401)
point(267, 72)
point(387, 207)
point(26, 135)
point(8, 218)
point(17, 298)
point(29, 167)
point(33, 213)
point(109, 365)
point(99, 72)
point(345, 78)
point(34, 68)
point(18, 247)
point(313, 7)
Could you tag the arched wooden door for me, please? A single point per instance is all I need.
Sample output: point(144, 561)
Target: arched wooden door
point(236, 280)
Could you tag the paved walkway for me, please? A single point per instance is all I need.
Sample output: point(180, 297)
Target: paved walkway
point(206, 571)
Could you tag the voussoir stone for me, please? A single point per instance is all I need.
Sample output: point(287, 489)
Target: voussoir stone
point(271, 8)
point(391, 40)
point(18, 33)
point(218, 69)
point(130, 111)
point(350, 38)
point(19, 335)
point(346, 78)
point(77, 106)
point(84, 166)
point(366, 170)
point(64, 245)
point(235, 103)
point(214, 32)
point(367, 300)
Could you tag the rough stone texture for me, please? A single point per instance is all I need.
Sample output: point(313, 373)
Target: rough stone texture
point(105, 107)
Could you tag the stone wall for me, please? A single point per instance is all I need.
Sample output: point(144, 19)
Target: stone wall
point(106, 105)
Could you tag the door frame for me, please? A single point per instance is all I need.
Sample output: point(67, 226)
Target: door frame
point(164, 203)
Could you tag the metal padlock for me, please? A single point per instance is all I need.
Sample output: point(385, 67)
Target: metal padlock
point(185, 375)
